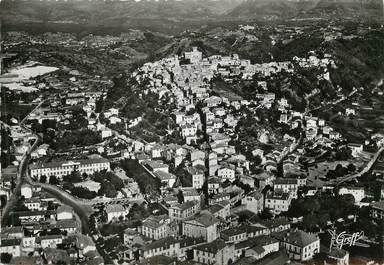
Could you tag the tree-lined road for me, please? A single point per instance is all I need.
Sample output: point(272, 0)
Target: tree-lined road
point(19, 179)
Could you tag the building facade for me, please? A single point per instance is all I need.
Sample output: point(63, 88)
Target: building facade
point(63, 168)
point(202, 226)
point(179, 212)
point(155, 227)
point(216, 252)
point(300, 245)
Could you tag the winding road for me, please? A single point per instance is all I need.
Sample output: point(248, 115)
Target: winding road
point(82, 208)
point(366, 169)
point(20, 172)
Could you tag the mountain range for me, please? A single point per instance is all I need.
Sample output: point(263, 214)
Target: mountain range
point(169, 15)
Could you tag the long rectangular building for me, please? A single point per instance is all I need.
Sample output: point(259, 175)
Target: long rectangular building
point(63, 168)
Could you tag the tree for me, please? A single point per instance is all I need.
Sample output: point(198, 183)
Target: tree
point(73, 177)
point(107, 189)
point(310, 222)
point(115, 180)
point(6, 257)
point(351, 167)
point(46, 124)
point(53, 180)
point(99, 105)
point(6, 144)
point(82, 192)
point(13, 184)
point(312, 205)
point(43, 179)
point(137, 212)
point(68, 186)
point(266, 214)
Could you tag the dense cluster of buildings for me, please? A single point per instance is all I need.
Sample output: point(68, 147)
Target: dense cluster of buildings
point(203, 203)
point(46, 231)
point(211, 245)
point(206, 182)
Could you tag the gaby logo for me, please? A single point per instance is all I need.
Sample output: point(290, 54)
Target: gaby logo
point(339, 240)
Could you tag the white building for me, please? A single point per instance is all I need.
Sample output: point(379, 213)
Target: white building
point(204, 225)
point(300, 245)
point(253, 201)
point(26, 191)
point(50, 241)
point(337, 256)
point(155, 227)
point(64, 212)
point(216, 252)
point(63, 168)
point(357, 192)
point(278, 202)
point(264, 246)
point(226, 173)
point(183, 211)
point(115, 211)
point(167, 178)
point(356, 149)
point(85, 244)
point(194, 56)
point(105, 133)
point(155, 166)
point(286, 185)
point(197, 177)
point(11, 246)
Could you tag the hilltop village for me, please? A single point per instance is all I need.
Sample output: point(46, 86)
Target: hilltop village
point(207, 160)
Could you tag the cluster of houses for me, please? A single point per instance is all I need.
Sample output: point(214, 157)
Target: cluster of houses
point(21, 142)
point(190, 232)
point(46, 231)
point(202, 179)
point(206, 228)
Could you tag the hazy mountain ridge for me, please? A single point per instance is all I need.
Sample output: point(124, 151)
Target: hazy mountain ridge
point(315, 8)
point(343, 8)
point(89, 11)
point(281, 8)
point(127, 13)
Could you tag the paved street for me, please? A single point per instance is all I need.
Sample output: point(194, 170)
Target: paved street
point(82, 209)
